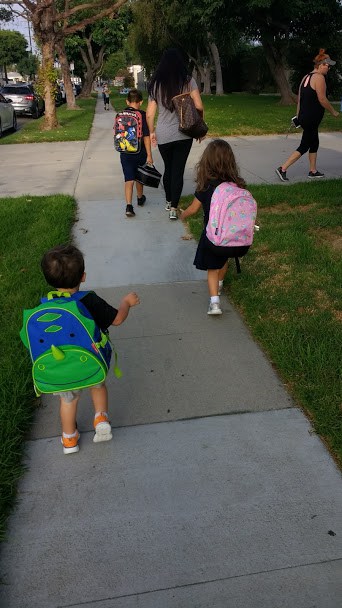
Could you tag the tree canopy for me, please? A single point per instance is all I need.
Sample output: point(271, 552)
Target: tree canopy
point(12, 47)
point(53, 21)
point(199, 27)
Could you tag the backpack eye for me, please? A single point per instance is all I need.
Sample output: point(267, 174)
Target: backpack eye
point(72, 335)
point(41, 340)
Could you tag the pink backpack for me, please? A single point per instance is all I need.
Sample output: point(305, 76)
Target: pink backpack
point(232, 216)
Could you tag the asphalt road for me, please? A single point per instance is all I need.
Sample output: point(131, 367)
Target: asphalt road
point(21, 121)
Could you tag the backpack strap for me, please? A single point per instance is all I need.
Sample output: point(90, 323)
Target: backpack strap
point(54, 295)
point(78, 295)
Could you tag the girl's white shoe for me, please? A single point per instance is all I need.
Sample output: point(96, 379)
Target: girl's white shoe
point(214, 309)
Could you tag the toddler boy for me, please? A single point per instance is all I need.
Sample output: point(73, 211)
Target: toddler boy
point(63, 269)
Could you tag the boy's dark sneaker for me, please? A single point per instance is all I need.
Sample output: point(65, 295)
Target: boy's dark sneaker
point(316, 174)
point(129, 211)
point(282, 174)
point(141, 200)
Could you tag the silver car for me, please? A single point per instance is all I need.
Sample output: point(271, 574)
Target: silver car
point(8, 119)
point(24, 99)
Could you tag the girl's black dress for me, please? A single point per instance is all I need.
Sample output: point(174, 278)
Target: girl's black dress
point(206, 258)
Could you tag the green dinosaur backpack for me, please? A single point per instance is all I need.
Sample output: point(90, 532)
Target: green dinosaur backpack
point(68, 350)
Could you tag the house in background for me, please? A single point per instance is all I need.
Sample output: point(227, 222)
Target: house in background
point(138, 73)
point(12, 77)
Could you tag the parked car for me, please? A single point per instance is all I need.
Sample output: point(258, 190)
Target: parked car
point(8, 119)
point(124, 91)
point(24, 99)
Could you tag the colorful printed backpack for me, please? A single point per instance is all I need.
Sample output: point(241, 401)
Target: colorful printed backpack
point(67, 348)
point(128, 130)
point(232, 216)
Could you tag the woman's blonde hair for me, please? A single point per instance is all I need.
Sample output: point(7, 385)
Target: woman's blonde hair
point(321, 56)
point(217, 163)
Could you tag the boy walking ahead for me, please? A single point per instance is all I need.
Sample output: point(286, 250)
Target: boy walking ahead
point(105, 95)
point(63, 269)
point(130, 162)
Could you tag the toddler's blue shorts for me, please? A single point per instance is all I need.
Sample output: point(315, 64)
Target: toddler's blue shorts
point(130, 163)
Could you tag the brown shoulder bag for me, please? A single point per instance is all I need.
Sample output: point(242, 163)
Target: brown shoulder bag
point(191, 122)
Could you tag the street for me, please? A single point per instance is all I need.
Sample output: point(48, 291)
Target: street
point(21, 122)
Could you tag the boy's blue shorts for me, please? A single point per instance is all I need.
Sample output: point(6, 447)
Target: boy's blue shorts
point(130, 163)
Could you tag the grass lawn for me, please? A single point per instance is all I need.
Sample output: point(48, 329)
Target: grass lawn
point(244, 114)
point(74, 125)
point(290, 295)
point(28, 226)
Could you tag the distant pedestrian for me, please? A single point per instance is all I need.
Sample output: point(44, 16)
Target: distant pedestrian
point(63, 269)
point(105, 95)
point(311, 105)
point(130, 161)
point(217, 165)
point(170, 79)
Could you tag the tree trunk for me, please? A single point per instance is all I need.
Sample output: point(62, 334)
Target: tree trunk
point(93, 62)
point(217, 62)
point(5, 73)
point(50, 121)
point(69, 92)
point(44, 28)
point(88, 85)
point(205, 74)
point(276, 63)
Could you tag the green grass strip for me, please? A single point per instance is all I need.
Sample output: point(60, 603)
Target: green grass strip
point(74, 125)
point(28, 227)
point(244, 114)
point(290, 294)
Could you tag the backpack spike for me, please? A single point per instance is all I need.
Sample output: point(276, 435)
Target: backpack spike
point(57, 353)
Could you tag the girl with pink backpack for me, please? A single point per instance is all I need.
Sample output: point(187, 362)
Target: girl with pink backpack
point(229, 216)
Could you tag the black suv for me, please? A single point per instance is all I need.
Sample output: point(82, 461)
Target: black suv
point(24, 99)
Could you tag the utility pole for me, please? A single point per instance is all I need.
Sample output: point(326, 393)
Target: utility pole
point(29, 31)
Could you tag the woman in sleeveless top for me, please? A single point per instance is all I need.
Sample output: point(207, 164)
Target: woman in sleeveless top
point(312, 102)
point(170, 79)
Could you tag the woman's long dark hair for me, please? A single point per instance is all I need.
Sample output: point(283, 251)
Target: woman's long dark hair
point(169, 78)
point(217, 164)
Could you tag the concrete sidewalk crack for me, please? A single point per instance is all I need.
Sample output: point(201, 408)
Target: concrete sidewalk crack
point(205, 582)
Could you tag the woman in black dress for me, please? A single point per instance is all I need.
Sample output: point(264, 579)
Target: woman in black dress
point(217, 165)
point(312, 102)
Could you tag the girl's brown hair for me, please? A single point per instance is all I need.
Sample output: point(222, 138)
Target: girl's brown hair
point(217, 163)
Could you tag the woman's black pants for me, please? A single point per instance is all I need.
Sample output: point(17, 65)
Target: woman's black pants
point(310, 139)
point(174, 155)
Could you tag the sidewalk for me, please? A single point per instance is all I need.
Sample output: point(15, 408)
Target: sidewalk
point(214, 492)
